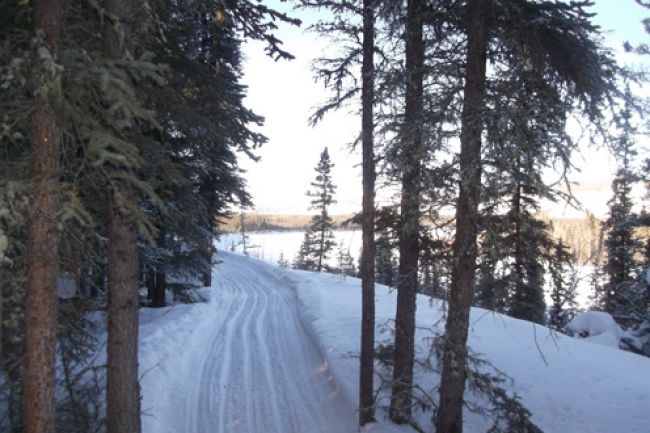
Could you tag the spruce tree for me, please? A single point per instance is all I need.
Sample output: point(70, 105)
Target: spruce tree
point(558, 41)
point(122, 377)
point(322, 195)
point(368, 251)
point(621, 243)
point(563, 279)
point(305, 258)
point(452, 381)
point(42, 244)
point(412, 153)
point(282, 261)
point(345, 262)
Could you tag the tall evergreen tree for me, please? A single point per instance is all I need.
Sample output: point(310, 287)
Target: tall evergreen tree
point(322, 194)
point(452, 386)
point(621, 244)
point(367, 271)
point(556, 39)
point(122, 377)
point(338, 73)
point(412, 153)
point(563, 284)
point(42, 244)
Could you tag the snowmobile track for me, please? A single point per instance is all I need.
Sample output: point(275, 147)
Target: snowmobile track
point(250, 366)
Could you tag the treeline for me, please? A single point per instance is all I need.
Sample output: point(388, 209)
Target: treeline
point(121, 122)
point(260, 222)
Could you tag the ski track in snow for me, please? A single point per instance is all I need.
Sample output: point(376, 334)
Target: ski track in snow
point(246, 365)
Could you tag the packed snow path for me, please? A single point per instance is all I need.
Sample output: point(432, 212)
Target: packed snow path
point(246, 363)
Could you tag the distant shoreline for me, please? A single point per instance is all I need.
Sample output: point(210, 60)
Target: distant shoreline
point(254, 222)
point(582, 235)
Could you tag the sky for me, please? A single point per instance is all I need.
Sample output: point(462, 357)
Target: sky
point(285, 93)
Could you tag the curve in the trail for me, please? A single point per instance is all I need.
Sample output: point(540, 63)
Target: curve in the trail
point(249, 365)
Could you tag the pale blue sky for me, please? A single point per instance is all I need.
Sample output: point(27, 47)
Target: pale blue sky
point(285, 93)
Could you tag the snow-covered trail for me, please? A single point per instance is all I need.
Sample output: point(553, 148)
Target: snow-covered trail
point(246, 364)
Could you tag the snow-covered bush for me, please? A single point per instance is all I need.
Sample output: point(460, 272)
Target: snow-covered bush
point(597, 327)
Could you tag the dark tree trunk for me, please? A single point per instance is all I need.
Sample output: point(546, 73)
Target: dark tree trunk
point(158, 299)
point(42, 245)
point(207, 273)
point(2, 307)
point(122, 386)
point(519, 295)
point(150, 282)
point(412, 155)
point(367, 368)
point(452, 387)
point(209, 250)
point(321, 245)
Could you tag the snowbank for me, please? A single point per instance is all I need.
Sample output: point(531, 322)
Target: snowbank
point(570, 386)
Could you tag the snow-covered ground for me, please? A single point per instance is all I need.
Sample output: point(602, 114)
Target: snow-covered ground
point(241, 362)
point(273, 350)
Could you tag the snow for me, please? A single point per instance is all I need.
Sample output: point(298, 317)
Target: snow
point(241, 362)
point(570, 386)
point(597, 327)
point(66, 286)
point(273, 350)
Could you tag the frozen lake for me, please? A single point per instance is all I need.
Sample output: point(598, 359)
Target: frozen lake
point(268, 245)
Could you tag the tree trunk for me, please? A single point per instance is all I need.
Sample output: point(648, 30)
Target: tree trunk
point(321, 245)
point(158, 299)
point(207, 273)
point(367, 363)
point(518, 308)
point(412, 155)
point(42, 245)
point(122, 386)
point(2, 307)
point(452, 387)
point(150, 282)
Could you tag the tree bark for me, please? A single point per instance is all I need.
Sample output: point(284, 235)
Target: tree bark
point(367, 362)
point(412, 155)
point(207, 273)
point(122, 385)
point(452, 387)
point(42, 245)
